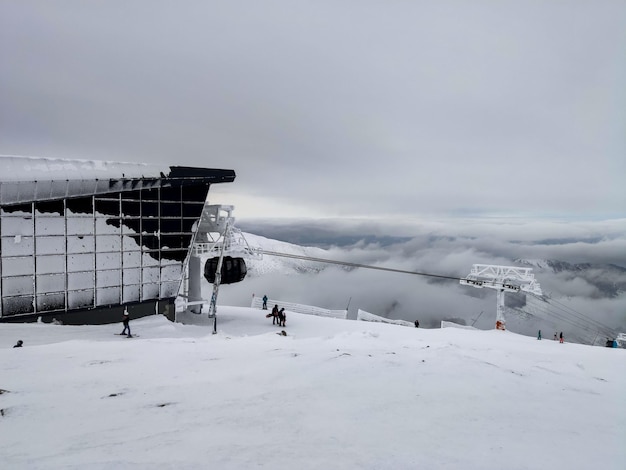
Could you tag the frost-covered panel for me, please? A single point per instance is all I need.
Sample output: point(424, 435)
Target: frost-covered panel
point(106, 243)
point(18, 266)
point(132, 276)
point(108, 296)
point(17, 305)
point(108, 261)
point(18, 285)
point(131, 226)
point(151, 275)
point(169, 289)
point(80, 263)
point(51, 283)
point(17, 246)
point(134, 232)
point(50, 264)
point(50, 302)
point(171, 273)
point(80, 226)
point(80, 299)
point(49, 225)
point(149, 258)
point(132, 259)
point(150, 291)
point(81, 244)
point(129, 244)
point(80, 281)
point(131, 293)
point(12, 226)
point(106, 225)
point(53, 245)
point(108, 278)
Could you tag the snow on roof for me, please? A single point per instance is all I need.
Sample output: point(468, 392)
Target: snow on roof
point(17, 168)
point(26, 179)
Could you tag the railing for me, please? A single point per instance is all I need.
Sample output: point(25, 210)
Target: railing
point(362, 315)
point(257, 302)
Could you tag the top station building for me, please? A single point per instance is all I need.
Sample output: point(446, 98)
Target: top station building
point(82, 240)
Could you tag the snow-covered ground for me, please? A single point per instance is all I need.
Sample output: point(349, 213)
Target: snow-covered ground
point(332, 394)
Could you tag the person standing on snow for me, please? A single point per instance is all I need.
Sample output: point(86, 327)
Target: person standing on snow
point(282, 316)
point(126, 322)
point(275, 314)
point(265, 302)
point(539, 335)
point(561, 337)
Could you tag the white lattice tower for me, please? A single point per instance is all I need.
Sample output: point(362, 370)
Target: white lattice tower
point(215, 237)
point(503, 279)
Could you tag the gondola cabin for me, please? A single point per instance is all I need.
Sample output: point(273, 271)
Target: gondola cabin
point(233, 270)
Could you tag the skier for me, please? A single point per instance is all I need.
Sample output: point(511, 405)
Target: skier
point(19, 344)
point(539, 335)
point(126, 321)
point(561, 337)
point(265, 302)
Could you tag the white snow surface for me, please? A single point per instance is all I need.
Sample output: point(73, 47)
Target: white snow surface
point(18, 168)
point(332, 394)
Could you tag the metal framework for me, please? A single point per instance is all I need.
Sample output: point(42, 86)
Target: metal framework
point(77, 249)
point(503, 279)
point(216, 237)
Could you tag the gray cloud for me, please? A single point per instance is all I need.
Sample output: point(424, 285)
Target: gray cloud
point(350, 108)
point(579, 294)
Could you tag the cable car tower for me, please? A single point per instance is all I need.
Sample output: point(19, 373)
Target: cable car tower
point(224, 248)
point(503, 279)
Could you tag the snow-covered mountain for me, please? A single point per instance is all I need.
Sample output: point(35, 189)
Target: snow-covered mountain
point(586, 294)
point(275, 264)
point(609, 279)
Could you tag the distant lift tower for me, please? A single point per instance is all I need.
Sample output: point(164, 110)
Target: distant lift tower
point(503, 279)
point(222, 247)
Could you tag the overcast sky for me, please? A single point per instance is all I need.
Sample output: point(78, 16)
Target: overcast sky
point(334, 108)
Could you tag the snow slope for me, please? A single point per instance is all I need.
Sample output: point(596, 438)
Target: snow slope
point(335, 394)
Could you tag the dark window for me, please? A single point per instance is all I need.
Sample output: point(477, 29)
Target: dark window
point(81, 205)
point(50, 207)
point(108, 207)
point(196, 192)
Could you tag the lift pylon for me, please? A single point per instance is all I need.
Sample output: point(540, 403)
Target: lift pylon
point(503, 279)
point(223, 247)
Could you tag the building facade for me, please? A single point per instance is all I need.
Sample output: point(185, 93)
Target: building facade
point(80, 241)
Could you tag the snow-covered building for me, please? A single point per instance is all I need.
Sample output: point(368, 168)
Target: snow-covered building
point(82, 240)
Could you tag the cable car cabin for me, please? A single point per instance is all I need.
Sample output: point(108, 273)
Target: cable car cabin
point(233, 270)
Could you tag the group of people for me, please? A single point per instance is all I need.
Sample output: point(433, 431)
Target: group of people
point(560, 337)
point(278, 316)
